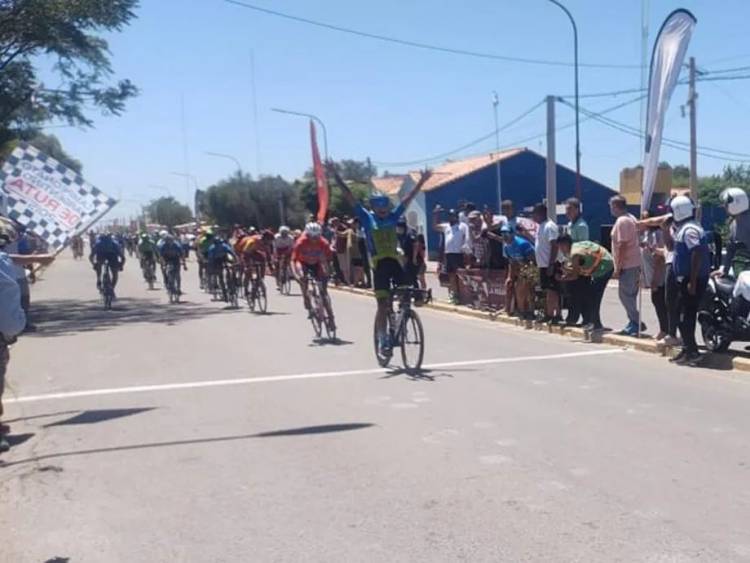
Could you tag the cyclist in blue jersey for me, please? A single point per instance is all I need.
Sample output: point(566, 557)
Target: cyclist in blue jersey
point(106, 250)
point(379, 225)
point(172, 252)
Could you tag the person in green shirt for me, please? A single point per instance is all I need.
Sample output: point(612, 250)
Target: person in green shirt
point(588, 259)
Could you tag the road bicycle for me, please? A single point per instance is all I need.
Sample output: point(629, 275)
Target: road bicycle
point(107, 289)
point(284, 276)
point(232, 279)
point(319, 317)
point(173, 271)
point(256, 295)
point(149, 272)
point(404, 329)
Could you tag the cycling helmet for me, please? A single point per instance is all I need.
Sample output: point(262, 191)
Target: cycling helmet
point(682, 207)
point(144, 236)
point(283, 230)
point(735, 200)
point(163, 233)
point(379, 200)
point(313, 230)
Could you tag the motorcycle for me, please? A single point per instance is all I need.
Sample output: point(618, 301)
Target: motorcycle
point(720, 324)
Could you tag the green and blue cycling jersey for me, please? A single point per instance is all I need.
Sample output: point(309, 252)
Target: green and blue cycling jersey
point(380, 234)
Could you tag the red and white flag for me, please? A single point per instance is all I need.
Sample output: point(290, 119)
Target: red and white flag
point(320, 177)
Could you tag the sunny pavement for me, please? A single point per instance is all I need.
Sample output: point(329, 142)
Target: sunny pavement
point(194, 445)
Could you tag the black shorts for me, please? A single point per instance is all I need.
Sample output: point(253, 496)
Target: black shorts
point(547, 281)
point(388, 273)
point(453, 262)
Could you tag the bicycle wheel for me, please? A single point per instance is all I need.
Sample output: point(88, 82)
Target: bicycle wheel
point(262, 297)
point(315, 318)
point(383, 356)
point(250, 295)
point(412, 341)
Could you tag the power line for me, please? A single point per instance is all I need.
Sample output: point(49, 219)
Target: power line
point(419, 45)
point(672, 143)
point(467, 145)
point(614, 93)
point(515, 143)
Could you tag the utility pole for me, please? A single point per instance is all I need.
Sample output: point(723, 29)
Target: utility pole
point(551, 164)
point(495, 104)
point(692, 97)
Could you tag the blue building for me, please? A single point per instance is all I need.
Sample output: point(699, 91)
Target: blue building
point(523, 181)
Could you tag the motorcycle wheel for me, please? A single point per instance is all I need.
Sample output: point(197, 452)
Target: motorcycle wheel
point(716, 341)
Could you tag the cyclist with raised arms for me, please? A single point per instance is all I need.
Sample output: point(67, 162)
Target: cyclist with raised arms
point(379, 225)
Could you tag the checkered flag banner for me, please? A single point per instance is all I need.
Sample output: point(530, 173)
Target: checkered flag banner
point(48, 198)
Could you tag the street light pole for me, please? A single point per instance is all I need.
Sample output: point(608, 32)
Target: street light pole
point(314, 118)
point(227, 156)
point(495, 104)
point(575, 57)
point(190, 201)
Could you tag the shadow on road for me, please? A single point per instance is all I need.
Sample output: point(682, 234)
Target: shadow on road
point(98, 415)
point(303, 431)
point(60, 317)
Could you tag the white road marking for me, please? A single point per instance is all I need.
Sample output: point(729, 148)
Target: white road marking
point(295, 377)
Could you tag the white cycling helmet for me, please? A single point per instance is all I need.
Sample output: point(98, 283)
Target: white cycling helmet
point(682, 208)
point(313, 230)
point(283, 230)
point(735, 200)
point(163, 234)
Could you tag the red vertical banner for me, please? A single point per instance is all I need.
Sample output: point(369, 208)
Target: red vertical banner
point(320, 177)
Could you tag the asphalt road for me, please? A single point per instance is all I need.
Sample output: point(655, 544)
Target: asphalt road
point(197, 433)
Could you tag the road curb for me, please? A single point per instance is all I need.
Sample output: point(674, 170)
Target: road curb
point(728, 361)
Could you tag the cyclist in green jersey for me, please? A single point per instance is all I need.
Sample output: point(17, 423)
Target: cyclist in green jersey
point(379, 225)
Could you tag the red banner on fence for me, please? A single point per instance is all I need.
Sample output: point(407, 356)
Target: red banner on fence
point(320, 176)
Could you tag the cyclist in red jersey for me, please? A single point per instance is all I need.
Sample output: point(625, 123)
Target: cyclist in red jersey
point(312, 254)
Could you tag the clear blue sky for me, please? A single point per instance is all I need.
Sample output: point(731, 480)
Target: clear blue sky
point(385, 101)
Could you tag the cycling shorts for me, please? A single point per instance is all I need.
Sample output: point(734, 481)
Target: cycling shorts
point(388, 274)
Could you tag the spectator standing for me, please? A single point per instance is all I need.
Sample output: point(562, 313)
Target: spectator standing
point(692, 268)
point(407, 240)
point(364, 252)
point(546, 261)
point(456, 246)
point(737, 206)
point(626, 251)
point(575, 287)
point(420, 259)
point(355, 254)
point(478, 242)
point(653, 254)
point(522, 273)
point(497, 259)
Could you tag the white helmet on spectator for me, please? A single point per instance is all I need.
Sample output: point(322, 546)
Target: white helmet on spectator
point(682, 208)
point(735, 200)
point(313, 230)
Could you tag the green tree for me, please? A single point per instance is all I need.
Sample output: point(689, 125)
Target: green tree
point(48, 144)
point(169, 212)
point(70, 33)
point(240, 200)
point(337, 205)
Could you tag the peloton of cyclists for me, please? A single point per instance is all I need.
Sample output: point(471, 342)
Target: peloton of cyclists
point(107, 251)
